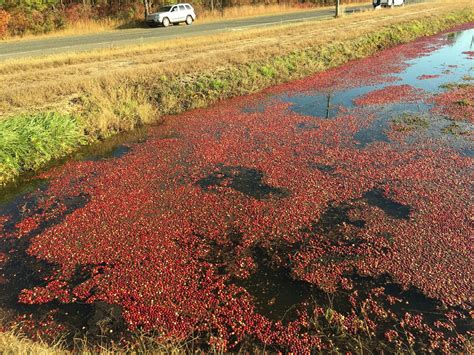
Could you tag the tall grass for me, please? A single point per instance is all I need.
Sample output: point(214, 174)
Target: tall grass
point(109, 109)
point(27, 142)
point(13, 341)
point(236, 12)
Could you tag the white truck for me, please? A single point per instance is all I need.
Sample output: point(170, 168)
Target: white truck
point(385, 3)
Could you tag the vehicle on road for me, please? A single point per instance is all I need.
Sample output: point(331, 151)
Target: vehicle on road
point(172, 14)
point(385, 3)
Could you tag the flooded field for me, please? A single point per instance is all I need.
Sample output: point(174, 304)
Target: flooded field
point(332, 212)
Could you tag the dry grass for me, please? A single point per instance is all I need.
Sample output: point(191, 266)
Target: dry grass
point(81, 27)
point(13, 342)
point(56, 81)
point(246, 11)
point(237, 12)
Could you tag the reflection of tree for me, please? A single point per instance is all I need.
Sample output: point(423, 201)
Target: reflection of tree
point(328, 106)
point(453, 37)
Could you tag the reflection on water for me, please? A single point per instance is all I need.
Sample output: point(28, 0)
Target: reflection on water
point(16, 194)
point(327, 105)
point(443, 65)
point(376, 131)
point(275, 291)
point(447, 62)
point(22, 199)
point(113, 147)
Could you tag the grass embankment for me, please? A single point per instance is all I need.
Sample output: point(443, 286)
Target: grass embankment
point(105, 92)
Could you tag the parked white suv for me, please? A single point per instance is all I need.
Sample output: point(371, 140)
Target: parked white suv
point(378, 3)
point(172, 14)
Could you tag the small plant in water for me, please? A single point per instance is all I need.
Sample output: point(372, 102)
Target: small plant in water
point(464, 102)
point(409, 122)
point(455, 129)
point(452, 86)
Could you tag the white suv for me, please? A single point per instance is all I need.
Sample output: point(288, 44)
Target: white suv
point(378, 3)
point(172, 14)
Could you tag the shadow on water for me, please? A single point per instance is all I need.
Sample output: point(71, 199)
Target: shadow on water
point(245, 180)
point(277, 295)
point(21, 271)
point(322, 167)
point(20, 197)
point(392, 208)
point(113, 147)
point(335, 216)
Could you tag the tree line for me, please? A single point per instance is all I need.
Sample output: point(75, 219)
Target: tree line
point(18, 17)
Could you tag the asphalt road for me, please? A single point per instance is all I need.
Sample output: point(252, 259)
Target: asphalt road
point(116, 38)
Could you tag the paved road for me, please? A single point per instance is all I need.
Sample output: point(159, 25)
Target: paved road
point(37, 47)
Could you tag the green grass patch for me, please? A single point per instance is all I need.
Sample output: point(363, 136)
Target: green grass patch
point(464, 102)
point(27, 142)
point(455, 129)
point(453, 86)
point(408, 122)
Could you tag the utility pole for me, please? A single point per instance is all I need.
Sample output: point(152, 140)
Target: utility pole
point(338, 9)
point(328, 106)
point(147, 8)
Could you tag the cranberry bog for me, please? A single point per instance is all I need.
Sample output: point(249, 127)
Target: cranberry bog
point(329, 213)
